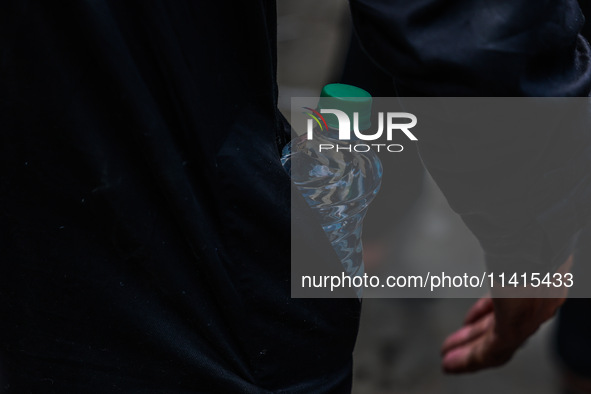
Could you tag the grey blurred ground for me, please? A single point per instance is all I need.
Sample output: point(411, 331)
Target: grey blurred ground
point(398, 345)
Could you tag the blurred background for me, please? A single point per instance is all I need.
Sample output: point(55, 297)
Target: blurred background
point(398, 345)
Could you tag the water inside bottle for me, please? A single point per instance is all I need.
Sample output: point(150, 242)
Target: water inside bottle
point(340, 186)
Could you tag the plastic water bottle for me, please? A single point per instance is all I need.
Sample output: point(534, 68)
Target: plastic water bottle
point(340, 185)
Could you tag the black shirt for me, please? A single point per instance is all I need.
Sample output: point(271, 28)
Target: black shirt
point(144, 212)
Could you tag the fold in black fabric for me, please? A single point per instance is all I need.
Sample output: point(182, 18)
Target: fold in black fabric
point(505, 48)
point(144, 213)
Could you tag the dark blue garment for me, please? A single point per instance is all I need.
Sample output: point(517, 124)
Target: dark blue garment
point(525, 200)
point(477, 48)
point(573, 338)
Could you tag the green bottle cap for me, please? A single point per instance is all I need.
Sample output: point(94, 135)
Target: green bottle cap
point(349, 99)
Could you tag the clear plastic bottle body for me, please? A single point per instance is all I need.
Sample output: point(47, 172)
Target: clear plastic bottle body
point(339, 185)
